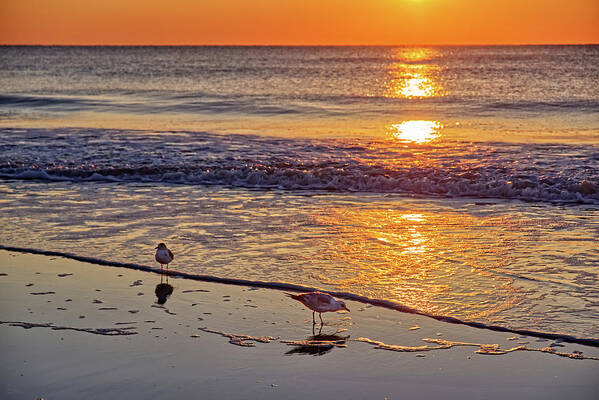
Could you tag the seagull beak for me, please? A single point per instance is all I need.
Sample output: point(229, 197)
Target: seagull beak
point(346, 309)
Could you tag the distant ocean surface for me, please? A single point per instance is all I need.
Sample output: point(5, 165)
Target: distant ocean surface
point(461, 181)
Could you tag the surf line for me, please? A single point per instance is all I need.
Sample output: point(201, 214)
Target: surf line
point(390, 304)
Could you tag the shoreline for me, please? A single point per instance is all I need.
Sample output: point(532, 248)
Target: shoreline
point(389, 304)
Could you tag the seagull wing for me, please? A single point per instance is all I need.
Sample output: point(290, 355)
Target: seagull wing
point(170, 253)
point(323, 299)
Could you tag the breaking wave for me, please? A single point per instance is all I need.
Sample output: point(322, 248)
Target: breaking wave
point(339, 178)
point(531, 172)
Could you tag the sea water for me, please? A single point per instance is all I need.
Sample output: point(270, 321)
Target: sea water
point(459, 181)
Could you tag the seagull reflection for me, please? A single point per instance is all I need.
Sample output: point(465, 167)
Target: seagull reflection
point(163, 290)
point(317, 344)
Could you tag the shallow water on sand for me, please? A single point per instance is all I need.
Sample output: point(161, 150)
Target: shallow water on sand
point(515, 264)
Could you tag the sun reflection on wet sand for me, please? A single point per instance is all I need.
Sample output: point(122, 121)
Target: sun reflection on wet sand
point(413, 75)
point(416, 131)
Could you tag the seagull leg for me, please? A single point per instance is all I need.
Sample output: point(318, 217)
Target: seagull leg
point(313, 320)
point(321, 321)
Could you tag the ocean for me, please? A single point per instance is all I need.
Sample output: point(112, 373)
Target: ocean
point(458, 181)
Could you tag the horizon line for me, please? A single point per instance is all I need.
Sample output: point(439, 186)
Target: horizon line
point(302, 45)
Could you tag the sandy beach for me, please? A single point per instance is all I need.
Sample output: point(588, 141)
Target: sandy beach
point(76, 330)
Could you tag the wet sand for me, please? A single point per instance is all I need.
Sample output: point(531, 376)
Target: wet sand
point(76, 330)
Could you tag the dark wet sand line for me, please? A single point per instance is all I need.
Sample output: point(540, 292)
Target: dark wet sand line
point(241, 340)
point(247, 340)
point(96, 331)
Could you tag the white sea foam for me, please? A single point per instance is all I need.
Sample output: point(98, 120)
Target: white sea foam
point(530, 172)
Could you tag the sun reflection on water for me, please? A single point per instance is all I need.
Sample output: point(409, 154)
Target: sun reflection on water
point(416, 131)
point(406, 254)
point(414, 75)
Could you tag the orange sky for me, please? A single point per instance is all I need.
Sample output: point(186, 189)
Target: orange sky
point(298, 22)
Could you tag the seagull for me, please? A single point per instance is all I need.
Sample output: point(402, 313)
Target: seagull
point(164, 255)
point(319, 302)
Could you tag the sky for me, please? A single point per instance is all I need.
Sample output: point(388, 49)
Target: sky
point(298, 22)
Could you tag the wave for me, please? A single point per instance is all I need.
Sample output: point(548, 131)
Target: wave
point(469, 183)
point(272, 104)
point(530, 172)
point(578, 105)
point(390, 304)
point(122, 103)
point(55, 103)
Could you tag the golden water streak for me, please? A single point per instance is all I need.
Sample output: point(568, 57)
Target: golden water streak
point(406, 255)
point(414, 74)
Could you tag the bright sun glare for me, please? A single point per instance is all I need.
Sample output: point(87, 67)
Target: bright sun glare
point(416, 131)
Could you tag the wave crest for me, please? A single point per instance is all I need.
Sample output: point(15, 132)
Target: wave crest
point(488, 183)
point(530, 172)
